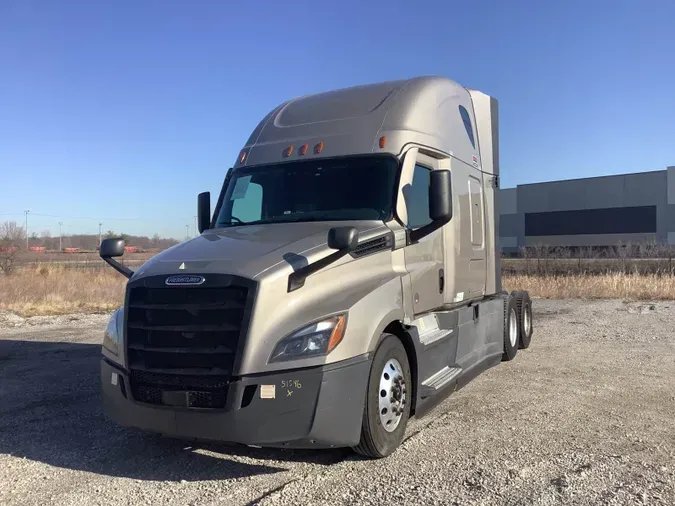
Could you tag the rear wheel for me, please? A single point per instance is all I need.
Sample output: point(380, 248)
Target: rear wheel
point(510, 328)
point(524, 308)
point(387, 408)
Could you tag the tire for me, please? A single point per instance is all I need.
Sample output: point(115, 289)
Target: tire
point(510, 328)
point(524, 308)
point(376, 440)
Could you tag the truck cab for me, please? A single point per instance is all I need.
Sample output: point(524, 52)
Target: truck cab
point(347, 279)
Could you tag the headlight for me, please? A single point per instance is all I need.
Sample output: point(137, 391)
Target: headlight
point(113, 332)
point(314, 340)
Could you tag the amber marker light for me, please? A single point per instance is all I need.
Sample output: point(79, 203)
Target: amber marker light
point(337, 334)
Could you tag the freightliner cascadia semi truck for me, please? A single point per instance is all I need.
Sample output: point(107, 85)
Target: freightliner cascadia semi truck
point(347, 279)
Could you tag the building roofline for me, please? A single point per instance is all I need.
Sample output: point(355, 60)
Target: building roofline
point(588, 178)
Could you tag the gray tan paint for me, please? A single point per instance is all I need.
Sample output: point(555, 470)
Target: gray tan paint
point(422, 111)
point(421, 121)
point(486, 113)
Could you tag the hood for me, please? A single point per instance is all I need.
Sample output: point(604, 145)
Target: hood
point(247, 250)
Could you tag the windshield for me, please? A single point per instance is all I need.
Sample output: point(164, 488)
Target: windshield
point(350, 188)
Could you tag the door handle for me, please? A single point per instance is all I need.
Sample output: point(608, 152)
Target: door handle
point(441, 281)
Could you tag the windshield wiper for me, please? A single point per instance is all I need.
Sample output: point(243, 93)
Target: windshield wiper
point(294, 219)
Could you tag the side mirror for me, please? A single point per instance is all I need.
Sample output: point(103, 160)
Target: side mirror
point(113, 247)
point(440, 204)
point(204, 211)
point(440, 195)
point(343, 238)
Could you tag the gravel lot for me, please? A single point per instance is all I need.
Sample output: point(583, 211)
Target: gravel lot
point(585, 416)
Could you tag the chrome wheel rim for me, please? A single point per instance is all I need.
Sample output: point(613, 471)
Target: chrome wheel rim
point(513, 327)
point(392, 395)
point(527, 322)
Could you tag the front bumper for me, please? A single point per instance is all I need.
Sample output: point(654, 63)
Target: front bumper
point(318, 407)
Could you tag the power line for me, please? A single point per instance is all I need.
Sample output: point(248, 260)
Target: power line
point(84, 217)
point(99, 218)
point(26, 213)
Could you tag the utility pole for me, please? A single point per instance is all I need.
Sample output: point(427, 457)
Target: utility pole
point(196, 227)
point(26, 213)
point(60, 241)
point(187, 232)
point(99, 233)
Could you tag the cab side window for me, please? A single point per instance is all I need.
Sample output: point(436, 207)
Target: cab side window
point(417, 198)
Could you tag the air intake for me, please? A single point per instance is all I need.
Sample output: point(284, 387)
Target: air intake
point(382, 243)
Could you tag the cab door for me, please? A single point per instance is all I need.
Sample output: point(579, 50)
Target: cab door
point(424, 259)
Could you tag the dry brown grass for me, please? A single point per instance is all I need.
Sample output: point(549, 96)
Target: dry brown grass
point(603, 286)
point(55, 289)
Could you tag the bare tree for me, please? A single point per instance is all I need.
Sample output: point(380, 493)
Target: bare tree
point(12, 238)
point(526, 255)
point(586, 252)
point(623, 251)
point(542, 252)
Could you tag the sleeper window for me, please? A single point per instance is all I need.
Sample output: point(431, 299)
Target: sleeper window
point(467, 124)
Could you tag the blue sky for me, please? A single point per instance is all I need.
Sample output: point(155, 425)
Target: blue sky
point(123, 111)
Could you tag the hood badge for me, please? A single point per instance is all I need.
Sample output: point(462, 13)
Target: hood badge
point(181, 266)
point(184, 279)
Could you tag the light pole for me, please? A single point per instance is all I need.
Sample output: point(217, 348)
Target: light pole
point(187, 232)
point(99, 233)
point(196, 232)
point(26, 213)
point(60, 241)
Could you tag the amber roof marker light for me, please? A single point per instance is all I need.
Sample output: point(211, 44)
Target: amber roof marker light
point(303, 149)
point(318, 148)
point(383, 141)
point(288, 151)
point(242, 156)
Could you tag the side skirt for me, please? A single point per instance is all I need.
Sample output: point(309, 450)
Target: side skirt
point(424, 406)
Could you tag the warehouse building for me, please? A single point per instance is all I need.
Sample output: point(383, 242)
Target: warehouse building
point(597, 211)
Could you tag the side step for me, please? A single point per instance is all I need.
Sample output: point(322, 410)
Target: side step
point(429, 330)
point(436, 382)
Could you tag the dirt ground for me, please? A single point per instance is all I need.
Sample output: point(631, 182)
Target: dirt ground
point(585, 416)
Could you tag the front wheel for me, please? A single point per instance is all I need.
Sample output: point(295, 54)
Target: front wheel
point(387, 408)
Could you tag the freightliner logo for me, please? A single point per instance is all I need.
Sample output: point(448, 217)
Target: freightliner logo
point(184, 280)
